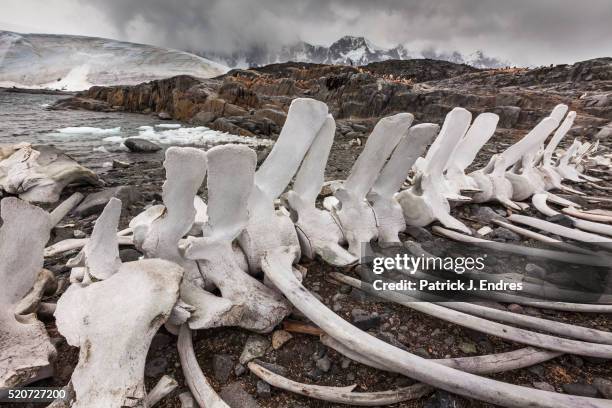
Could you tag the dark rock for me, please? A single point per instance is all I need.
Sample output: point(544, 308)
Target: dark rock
point(222, 367)
point(239, 370)
point(263, 389)
point(129, 255)
point(581, 389)
point(603, 386)
point(95, 203)
point(156, 367)
point(605, 133)
point(468, 347)
point(345, 289)
point(485, 214)
point(235, 396)
point(120, 165)
point(561, 219)
point(203, 118)
point(137, 145)
point(505, 234)
point(275, 115)
point(315, 374)
point(508, 115)
point(365, 320)
point(514, 308)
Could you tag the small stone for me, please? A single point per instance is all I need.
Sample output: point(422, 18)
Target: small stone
point(505, 234)
point(164, 115)
point(279, 338)
point(575, 360)
point(345, 289)
point(449, 341)
point(536, 370)
point(485, 214)
point(345, 363)
point(603, 386)
point(263, 389)
point(365, 320)
point(514, 308)
point(467, 347)
point(222, 367)
point(562, 220)
point(581, 389)
point(79, 234)
point(235, 396)
point(120, 165)
point(544, 386)
point(254, 347)
point(138, 145)
point(336, 307)
point(535, 270)
point(421, 352)
point(314, 374)
point(350, 376)
point(324, 364)
point(239, 370)
point(94, 203)
point(129, 255)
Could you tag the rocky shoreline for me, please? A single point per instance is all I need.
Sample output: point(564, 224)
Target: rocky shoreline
point(254, 103)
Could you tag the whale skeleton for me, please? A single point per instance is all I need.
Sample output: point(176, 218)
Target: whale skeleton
point(192, 248)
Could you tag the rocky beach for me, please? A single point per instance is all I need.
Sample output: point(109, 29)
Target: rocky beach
point(253, 103)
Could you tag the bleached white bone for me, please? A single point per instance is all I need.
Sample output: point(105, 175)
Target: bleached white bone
point(40, 173)
point(113, 322)
point(341, 395)
point(266, 227)
point(353, 212)
point(408, 364)
point(65, 207)
point(200, 388)
point(477, 135)
point(389, 216)
point(261, 308)
point(560, 230)
point(25, 349)
point(99, 258)
point(164, 386)
point(551, 177)
point(589, 215)
point(539, 201)
point(426, 201)
point(78, 243)
point(318, 232)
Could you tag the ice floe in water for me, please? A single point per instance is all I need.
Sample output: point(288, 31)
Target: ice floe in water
point(168, 125)
point(86, 130)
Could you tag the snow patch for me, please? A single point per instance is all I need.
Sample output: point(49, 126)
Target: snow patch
point(165, 125)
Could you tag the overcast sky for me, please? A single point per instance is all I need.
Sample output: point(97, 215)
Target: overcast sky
point(524, 32)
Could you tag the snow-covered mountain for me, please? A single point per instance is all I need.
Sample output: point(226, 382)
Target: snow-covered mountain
point(75, 63)
point(347, 50)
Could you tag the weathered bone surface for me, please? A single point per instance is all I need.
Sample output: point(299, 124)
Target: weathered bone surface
point(39, 173)
point(408, 364)
point(388, 212)
point(318, 232)
point(114, 336)
point(341, 395)
point(99, 258)
point(260, 308)
point(25, 348)
point(426, 201)
point(477, 135)
point(267, 228)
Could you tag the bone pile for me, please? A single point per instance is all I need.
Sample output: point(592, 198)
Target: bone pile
point(201, 259)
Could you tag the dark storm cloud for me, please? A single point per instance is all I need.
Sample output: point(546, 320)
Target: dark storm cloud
point(522, 31)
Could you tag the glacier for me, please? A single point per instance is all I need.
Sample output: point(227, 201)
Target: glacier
point(75, 63)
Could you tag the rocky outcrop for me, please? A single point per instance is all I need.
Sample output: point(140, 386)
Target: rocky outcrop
point(254, 102)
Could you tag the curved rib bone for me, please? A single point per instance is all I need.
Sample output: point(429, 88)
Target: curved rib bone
point(539, 201)
point(550, 176)
point(65, 207)
point(202, 391)
point(408, 364)
point(389, 216)
point(341, 395)
point(522, 336)
point(25, 348)
point(588, 215)
point(113, 322)
point(164, 386)
point(353, 212)
point(426, 202)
